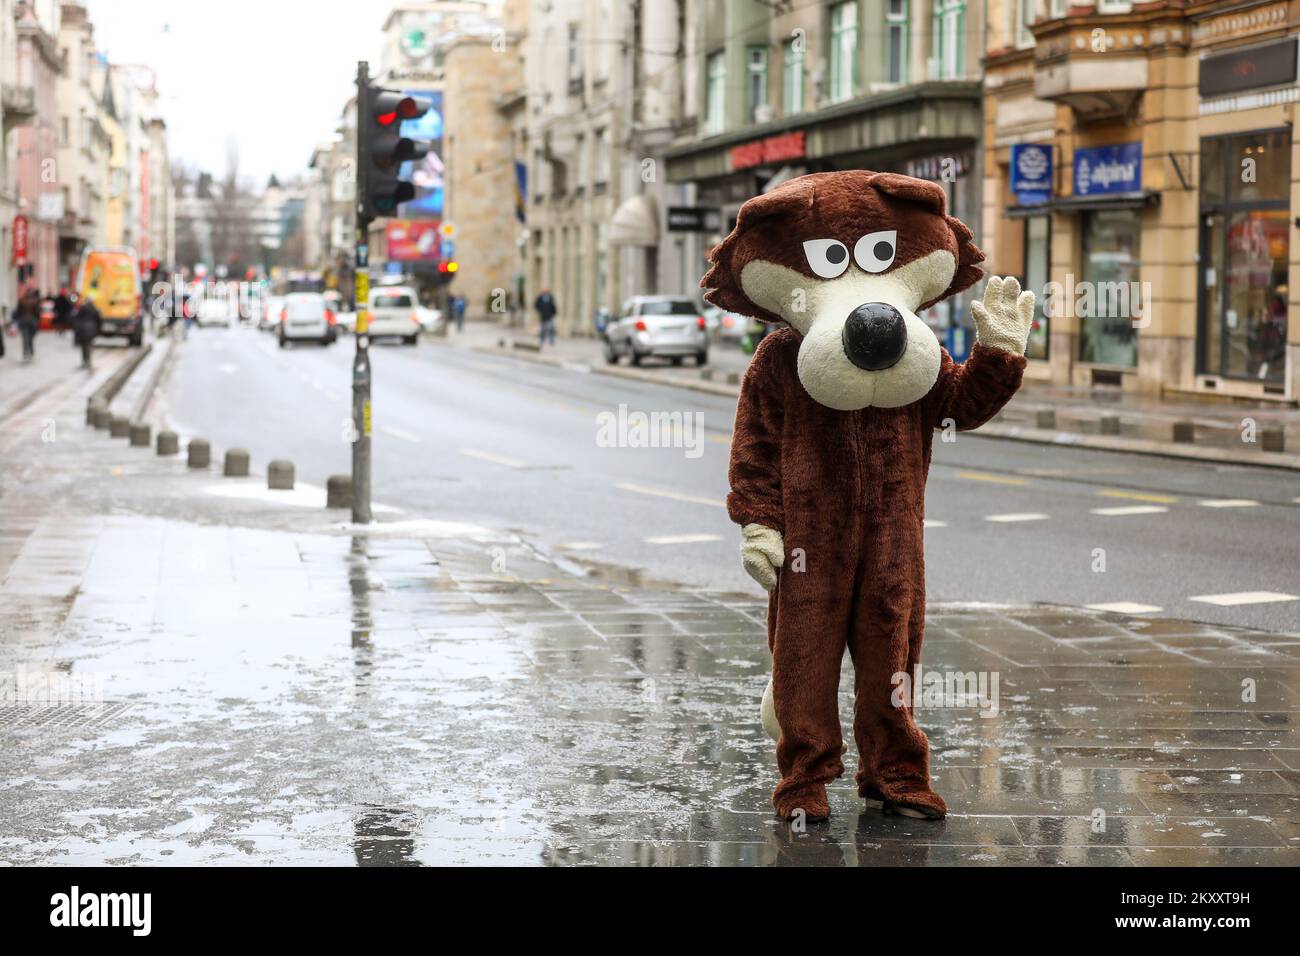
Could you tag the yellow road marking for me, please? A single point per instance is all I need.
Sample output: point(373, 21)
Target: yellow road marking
point(495, 459)
point(675, 495)
point(996, 479)
point(1136, 496)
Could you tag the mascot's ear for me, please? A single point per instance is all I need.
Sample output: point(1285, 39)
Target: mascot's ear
point(932, 197)
point(721, 283)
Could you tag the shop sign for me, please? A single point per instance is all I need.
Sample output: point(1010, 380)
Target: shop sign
point(694, 219)
point(773, 149)
point(1031, 173)
point(18, 254)
point(1273, 64)
point(1103, 170)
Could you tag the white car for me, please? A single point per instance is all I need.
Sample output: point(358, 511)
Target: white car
point(430, 319)
point(271, 310)
point(216, 311)
point(304, 317)
point(393, 312)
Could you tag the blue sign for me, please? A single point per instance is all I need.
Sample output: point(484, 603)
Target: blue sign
point(1031, 173)
point(1102, 170)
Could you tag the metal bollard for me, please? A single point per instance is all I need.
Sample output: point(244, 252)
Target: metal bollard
point(236, 465)
point(140, 435)
point(200, 453)
point(1110, 424)
point(119, 426)
point(338, 491)
point(1184, 433)
point(1273, 439)
point(169, 443)
point(279, 475)
point(1045, 418)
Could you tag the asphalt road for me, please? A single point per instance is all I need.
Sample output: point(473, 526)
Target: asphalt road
point(513, 444)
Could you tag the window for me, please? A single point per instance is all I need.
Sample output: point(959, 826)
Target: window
point(1114, 6)
point(756, 80)
point(1112, 269)
point(1038, 243)
point(896, 41)
point(948, 39)
point(600, 159)
point(792, 78)
point(581, 164)
point(63, 131)
point(575, 55)
point(844, 50)
point(1026, 12)
point(1059, 7)
point(714, 93)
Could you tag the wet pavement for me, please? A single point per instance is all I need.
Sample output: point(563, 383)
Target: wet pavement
point(238, 680)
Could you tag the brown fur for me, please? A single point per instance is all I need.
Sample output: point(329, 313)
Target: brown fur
point(848, 489)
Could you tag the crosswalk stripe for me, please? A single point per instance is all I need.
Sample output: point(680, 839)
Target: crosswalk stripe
point(1018, 516)
point(1232, 599)
point(674, 495)
point(1136, 496)
point(1125, 607)
point(1131, 510)
point(1227, 503)
point(683, 538)
point(996, 479)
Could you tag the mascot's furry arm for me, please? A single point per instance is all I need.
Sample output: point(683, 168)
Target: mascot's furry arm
point(755, 499)
point(968, 395)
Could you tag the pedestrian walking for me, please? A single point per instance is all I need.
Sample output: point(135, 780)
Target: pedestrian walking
point(85, 326)
point(27, 316)
point(458, 309)
point(545, 306)
point(63, 310)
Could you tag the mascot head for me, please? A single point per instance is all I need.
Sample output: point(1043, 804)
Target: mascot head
point(847, 260)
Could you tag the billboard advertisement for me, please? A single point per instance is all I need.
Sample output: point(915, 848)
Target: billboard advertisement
point(413, 240)
point(425, 174)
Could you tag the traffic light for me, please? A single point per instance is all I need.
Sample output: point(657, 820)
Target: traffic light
point(447, 271)
point(382, 149)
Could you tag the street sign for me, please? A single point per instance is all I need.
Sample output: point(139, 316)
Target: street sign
point(694, 219)
point(1103, 170)
point(1031, 173)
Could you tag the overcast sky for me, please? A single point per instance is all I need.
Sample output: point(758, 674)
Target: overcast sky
point(273, 73)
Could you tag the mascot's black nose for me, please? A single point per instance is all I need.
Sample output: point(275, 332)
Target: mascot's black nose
point(875, 336)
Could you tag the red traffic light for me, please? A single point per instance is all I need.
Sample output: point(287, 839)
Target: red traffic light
point(390, 107)
point(448, 266)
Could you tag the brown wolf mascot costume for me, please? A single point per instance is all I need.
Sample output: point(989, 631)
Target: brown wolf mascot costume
point(832, 448)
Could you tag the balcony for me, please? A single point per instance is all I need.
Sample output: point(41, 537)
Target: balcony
point(18, 104)
point(1098, 73)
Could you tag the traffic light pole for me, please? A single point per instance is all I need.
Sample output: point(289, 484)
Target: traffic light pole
point(361, 301)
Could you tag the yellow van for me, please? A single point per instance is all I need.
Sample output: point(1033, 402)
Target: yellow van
point(109, 276)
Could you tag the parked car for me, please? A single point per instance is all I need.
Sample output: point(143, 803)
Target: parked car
point(725, 326)
point(658, 325)
point(393, 312)
point(270, 318)
point(306, 317)
point(110, 277)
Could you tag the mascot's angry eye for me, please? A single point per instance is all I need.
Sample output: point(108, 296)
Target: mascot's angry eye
point(874, 252)
point(827, 258)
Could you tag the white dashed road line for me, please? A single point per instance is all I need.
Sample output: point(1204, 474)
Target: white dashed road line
point(935, 524)
point(579, 546)
point(399, 433)
point(683, 538)
point(1234, 598)
point(1227, 503)
point(1017, 516)
point(1126, 607)
point(1131, 510)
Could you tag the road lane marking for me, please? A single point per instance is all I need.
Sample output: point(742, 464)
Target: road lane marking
point(579, 546)
point(674, 495)
point(1232, 599)
point(683, 538)
point(399, 433)
point(935, 524)
point(495, 459)
point(1136, 496)
point(1018, 516)
point(1227, 503)
point(1131, 510)
point(1126, 607)
point(996, 479)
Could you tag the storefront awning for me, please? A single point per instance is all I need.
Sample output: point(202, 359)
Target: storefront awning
point(635, 222)
point(1138, 200)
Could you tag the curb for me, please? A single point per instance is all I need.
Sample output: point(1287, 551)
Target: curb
point(142, 403)
point(1040, 436)
point(104, 394)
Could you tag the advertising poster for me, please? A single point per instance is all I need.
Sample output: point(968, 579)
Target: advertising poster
point(425, 174)
point(413, 240)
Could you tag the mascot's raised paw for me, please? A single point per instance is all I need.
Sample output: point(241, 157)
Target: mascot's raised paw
point(1004, 318)
point(761, 552)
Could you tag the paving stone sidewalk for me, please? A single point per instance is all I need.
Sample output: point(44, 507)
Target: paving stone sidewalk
point(256, 683)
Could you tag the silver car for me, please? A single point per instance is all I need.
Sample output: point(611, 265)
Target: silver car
point(664, 326)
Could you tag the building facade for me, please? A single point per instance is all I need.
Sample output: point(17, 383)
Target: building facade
point(40, 65)
point(1140, 168)
point(780, 90)
point(17, 109)
point(84, 143)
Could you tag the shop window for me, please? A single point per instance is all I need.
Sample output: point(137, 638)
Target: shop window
point(792, 78)
point(714, 93)
point(1245, 250)
point(1110, 299)
point(896, 41)
point(844, 50)
point(756, 80)
point(1038, 248)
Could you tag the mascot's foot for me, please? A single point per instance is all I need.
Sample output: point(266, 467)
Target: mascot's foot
point(810, 798)
point(917, 804)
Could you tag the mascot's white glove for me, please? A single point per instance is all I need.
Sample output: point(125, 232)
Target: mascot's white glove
point(1004, 318)
point(761, 552)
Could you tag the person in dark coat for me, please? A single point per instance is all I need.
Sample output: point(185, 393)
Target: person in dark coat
point(27, 316)
point(63, 309)
point(85, 326)
point(546, 309)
